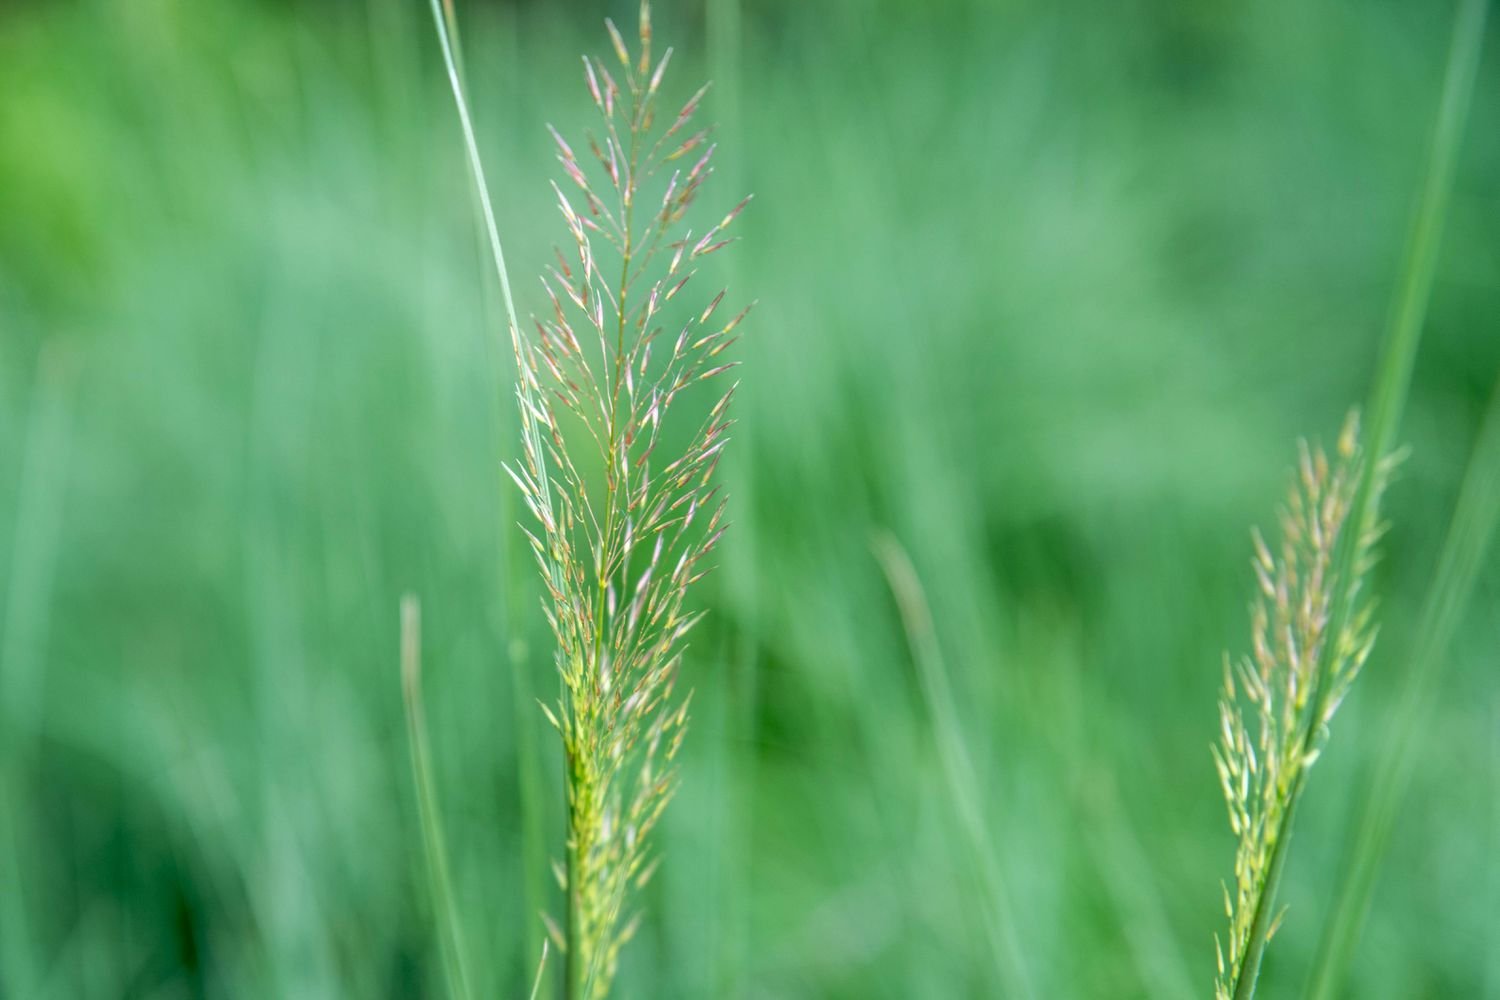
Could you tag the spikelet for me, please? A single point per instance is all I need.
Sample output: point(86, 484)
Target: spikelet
point(1289, 686)
point(621, 531)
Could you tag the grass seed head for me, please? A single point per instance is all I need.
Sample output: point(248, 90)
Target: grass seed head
point(1295, 676)
point(610, 522)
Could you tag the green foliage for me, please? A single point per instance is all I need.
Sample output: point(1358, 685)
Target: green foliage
point(1047, 291)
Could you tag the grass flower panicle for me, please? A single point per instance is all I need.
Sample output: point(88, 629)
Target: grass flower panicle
point(1291, 683)
point(621, 532)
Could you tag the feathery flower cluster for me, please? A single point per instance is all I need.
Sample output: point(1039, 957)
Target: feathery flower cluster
point(1290, 684)
point(622, 534)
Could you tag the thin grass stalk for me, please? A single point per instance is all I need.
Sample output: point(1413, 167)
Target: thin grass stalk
point(1247, 974)
point(1409, 314)
point(1120, 862)
point(532, 783)
point(1470, 533)
point(455, 41)
point(528, 759)
point(1409, 311)
point(541, 973)
point(487, 211)
point(732, 845)
point(1125, 872)
point(445, 21)
point(476, 164)
point(481, 185)
point(439, 882)
point(27, 623)
point(958, 770)
point(1492, 964)
point(1387, 402)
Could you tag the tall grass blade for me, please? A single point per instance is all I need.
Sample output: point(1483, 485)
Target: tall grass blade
point(739, 733)
point(1469, 536)
point(534, 860)
point(1492, 966)
point(27, 622)
point(487, 209)
point(958, 769)
point(476, 164)
point(1126, 874)
point(1388, 399)
point(439, 882)
point(1122, 868)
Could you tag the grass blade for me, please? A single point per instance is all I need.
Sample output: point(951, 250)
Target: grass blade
point(534, 860)
point(1125, 873)
point(1469, 536)
point(733, 844)
point(487, 212)
point(439, 884)
point(476, 164)
point(27, 623)
point(958, 769)
point(1393, 382)
point(541, 969)
point(1492, 966)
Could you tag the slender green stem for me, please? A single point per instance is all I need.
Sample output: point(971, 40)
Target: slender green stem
point(1409, 313)
point(450, 25)
point(732, 846)
point(1249, 970)
point(1388, 399)
point(1469, 536)
point(541, 969)
point(1126, 874)
point(492, 230)
point(574, 909)
point(439, 882)
point(476, 164)
point(532, 780)
point(446, 23)
point(958, 769)
point(1492, 890)
point(39, 493)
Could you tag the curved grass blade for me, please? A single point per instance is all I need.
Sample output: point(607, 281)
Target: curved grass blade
point(1387, 402)
point(1469, 536)
point(439, 883)
point(534, 862)
point(27, 624)
point(958, 769)
point(541, 970)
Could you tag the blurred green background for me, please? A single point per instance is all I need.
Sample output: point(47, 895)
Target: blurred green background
point(1049, 290)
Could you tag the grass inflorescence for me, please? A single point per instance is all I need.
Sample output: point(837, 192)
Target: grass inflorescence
point(1304, 658)
point(623, 530)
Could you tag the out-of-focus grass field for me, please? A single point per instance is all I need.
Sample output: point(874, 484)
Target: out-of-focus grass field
point(1048, 291)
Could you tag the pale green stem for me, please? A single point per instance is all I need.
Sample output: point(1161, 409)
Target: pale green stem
point(446, 24)
point(27, 622)
point(1469, 536)
point(958, 769)
point(541, 969)
point(440, 884)
point(492, 231)
point(1387, 401)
